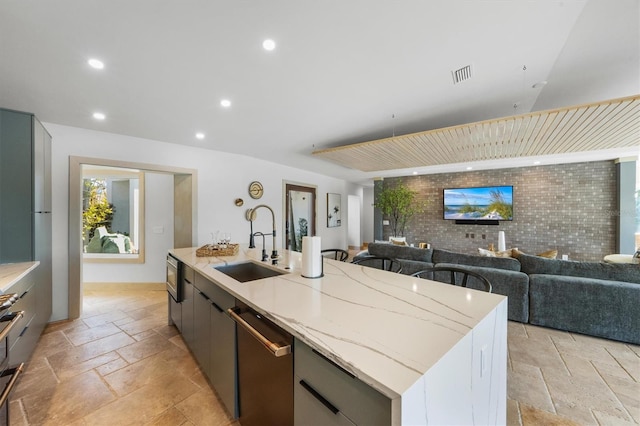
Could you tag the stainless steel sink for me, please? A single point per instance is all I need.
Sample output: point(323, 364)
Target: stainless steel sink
point(248, 271)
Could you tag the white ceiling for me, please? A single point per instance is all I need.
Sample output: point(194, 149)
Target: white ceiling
point(342, 72)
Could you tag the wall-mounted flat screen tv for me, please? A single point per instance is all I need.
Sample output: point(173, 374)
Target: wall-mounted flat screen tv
point(487, 203)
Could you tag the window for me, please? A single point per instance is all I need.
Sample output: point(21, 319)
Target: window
point(112, 214)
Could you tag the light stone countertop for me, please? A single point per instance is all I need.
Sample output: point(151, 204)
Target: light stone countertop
point(11, 273)
point(387, 329)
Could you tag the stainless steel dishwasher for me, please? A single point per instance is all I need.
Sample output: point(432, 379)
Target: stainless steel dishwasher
point(265, 369)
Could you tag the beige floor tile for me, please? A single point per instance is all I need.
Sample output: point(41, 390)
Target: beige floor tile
point(532, 416)
point(51, 343)
point(515, 329)
point(542, 333)
point(144, 404)
point(140, 325)
point(102, 346)
point(144, 335)
point(135, 376)
point(525, 384)
point(144, 348)
point(171, 417)
point(80, 337)
point(38, 376)
point(106, 318)
point(16, 415)
point(541, 353)
point(513, 413)
point(67, 359)
point(579, 366)
point(112, 366)
point(605, 419)
point(70, 370)
point(590, 350)
point(167, 331)
point(70, 401)
point(178, 341)
point(627, 392)
point(65, 325)
point(203, 408)
point(584, 393)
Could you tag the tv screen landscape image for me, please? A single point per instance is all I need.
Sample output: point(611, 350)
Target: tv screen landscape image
point(482, 203)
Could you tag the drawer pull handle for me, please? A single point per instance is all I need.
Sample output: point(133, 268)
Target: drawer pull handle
point(276, 349)
point(14, 320)
point(204, 295)
point(15, 372)
point(218, 308)
point(319, 397)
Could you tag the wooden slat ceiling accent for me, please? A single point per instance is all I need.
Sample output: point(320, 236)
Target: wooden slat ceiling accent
point(590, 127)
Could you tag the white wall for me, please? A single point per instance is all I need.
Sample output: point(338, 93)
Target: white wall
point(158, 200)
point(222, 178)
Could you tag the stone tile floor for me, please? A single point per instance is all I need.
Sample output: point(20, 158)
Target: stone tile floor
point(121, 364)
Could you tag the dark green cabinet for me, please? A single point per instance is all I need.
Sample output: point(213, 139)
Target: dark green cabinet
point(210, 334)
point(188, 278)
point(326, 394)
point(25, 220)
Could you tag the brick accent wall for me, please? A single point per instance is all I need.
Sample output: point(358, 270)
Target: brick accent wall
point(568, 207)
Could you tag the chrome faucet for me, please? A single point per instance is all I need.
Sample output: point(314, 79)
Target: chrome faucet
point(251, 216)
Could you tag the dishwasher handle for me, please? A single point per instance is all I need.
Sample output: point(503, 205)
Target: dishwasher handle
point(276, 349)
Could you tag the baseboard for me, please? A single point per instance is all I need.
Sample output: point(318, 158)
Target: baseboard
point(124, 286)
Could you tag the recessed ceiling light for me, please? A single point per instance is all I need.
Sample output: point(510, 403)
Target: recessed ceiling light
point(96, 63)
point(225, 103)
point(536, 162)
point(269, 44)
point(200, 135)
point(99, 116)
point(469, 168)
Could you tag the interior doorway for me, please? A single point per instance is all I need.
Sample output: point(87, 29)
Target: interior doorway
point(300, 214)
point(184, 212)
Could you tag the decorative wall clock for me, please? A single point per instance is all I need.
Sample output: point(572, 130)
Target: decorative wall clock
point(255, 190)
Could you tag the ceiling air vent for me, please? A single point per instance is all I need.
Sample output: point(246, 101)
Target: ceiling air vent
point(461, 74)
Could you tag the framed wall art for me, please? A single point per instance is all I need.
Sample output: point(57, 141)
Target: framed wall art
point(334, 210)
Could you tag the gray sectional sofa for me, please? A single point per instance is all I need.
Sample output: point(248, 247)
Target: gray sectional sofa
point(593, 298)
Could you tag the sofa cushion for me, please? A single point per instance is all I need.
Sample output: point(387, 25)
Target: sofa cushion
point(400, 252)
point(444, 256)
point(596, 307)
point(598, 270)
point(513, 284)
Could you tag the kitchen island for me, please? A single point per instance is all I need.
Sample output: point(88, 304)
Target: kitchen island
point(436, 351)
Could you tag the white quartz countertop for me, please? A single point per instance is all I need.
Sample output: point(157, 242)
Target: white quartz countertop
point(387, 329)
point(11, 273)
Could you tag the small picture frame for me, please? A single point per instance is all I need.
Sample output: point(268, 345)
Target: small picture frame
point(334, 210)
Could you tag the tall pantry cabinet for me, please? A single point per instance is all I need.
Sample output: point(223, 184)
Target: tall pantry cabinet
point(25, 213)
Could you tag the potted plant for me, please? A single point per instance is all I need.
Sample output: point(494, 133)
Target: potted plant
point(398, 203)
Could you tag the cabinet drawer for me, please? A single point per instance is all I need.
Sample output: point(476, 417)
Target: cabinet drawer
point(217, 295)
point(309, 410)
point(27, 303)
point(358, 401)
point(188, 273)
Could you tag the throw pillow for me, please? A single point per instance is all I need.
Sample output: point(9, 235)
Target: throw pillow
point(549, 254)
point(486, 253)
point(399, 241)
point(489, 253)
